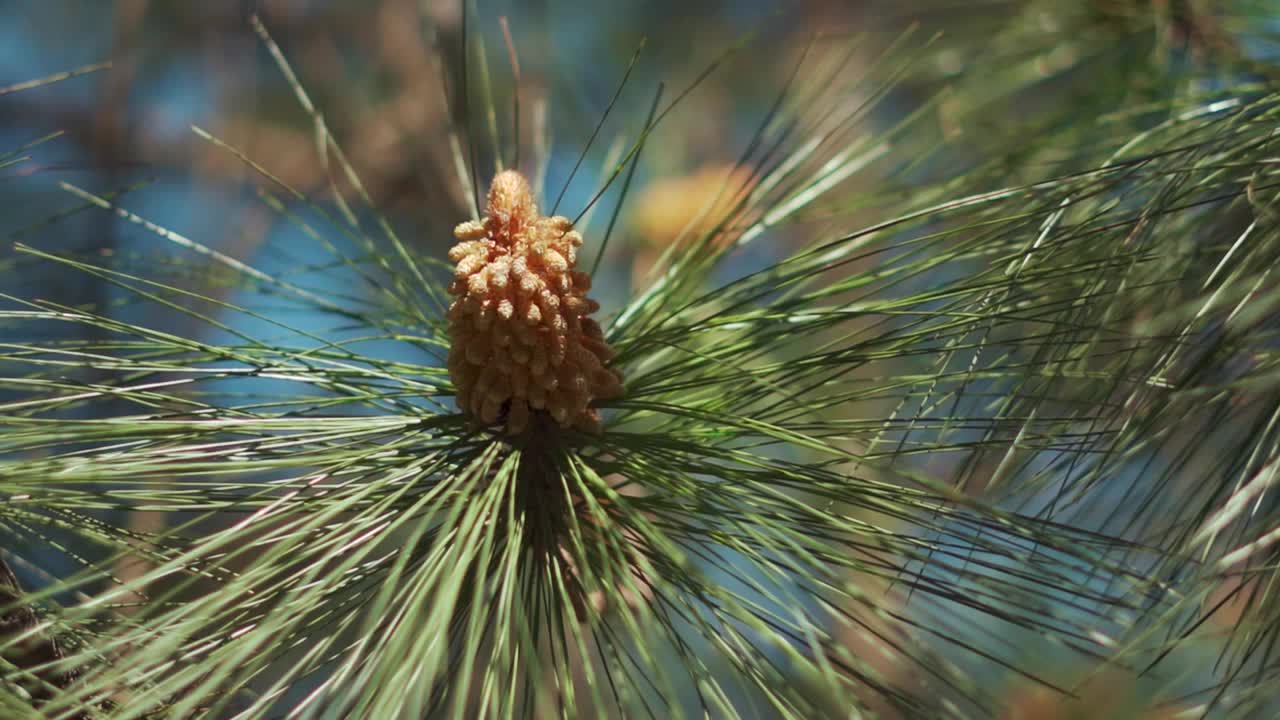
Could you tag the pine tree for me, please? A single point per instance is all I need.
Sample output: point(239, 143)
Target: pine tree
point(949, 396)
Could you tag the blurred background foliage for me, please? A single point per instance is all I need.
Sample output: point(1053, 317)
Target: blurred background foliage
point(1136, 134)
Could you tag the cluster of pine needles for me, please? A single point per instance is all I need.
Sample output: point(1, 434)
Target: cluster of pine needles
point(1006, 379)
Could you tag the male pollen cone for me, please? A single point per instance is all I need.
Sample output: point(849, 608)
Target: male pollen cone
point(522, 341)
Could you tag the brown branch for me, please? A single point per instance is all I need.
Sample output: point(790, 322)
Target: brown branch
point(34, 656)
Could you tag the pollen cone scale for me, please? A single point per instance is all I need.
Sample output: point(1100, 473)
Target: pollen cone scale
point(523, 344)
